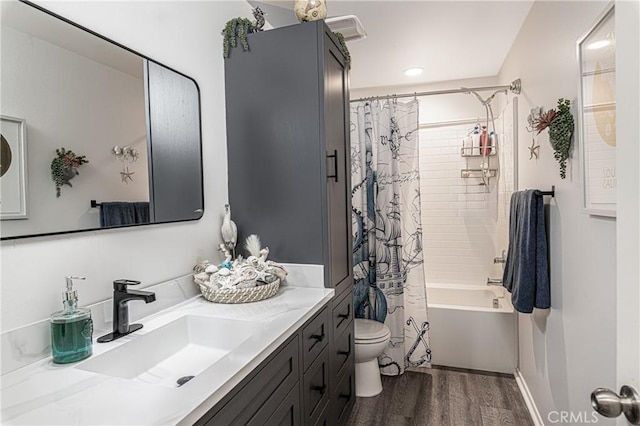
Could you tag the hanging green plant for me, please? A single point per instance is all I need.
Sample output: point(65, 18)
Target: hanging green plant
point(344, 48)
point(64, 167)
point(561, 126)
point(560, 133)
point(235, 29)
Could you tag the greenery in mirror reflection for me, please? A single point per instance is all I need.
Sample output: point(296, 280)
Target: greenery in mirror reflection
point(64, 167)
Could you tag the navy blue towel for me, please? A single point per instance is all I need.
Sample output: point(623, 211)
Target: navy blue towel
point(526, 273)
point(141, 209)
point(123, 213)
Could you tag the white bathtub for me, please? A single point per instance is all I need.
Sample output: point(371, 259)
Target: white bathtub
point(466, 331)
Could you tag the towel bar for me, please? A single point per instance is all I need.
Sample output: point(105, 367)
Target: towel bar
point(552, 193)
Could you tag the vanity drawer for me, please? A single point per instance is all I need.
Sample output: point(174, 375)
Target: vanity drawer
point(287, 413)
point(343, 356)
point(315, 388)
point(258, 397)
point(315, 336)
point(342, 315)
point(325, 418)
point(344, 397)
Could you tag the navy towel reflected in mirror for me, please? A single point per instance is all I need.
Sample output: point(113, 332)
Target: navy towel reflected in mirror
point(123, 213)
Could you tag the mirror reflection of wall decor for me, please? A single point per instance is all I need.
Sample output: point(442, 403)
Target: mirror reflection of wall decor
point(127, 155)
point(64, 167)
point(597, 97)
point(81, 91)
point(13, 168)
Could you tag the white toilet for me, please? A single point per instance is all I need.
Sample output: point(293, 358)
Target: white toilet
point(371, 337)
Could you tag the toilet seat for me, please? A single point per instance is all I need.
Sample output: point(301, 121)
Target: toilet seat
point(370, 332)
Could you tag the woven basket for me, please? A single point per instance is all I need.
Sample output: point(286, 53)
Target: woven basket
point(240, 295)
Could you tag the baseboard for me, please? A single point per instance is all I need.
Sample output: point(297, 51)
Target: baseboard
point(528, 399)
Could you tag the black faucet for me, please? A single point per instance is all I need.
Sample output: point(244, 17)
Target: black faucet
point(122, 295)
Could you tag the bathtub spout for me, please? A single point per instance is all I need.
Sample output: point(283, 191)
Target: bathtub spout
point(502, 259)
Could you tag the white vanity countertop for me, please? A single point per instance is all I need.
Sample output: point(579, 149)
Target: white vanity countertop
point(45, 393)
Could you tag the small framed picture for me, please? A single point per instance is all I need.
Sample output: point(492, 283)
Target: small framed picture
point(597, 115)
point(13, 168)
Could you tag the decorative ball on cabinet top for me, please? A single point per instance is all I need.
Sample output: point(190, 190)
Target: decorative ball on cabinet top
point(310, 10)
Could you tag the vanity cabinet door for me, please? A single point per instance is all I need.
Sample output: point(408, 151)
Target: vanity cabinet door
point(315, 336)
point(342, 314)
point(259, 396)
point(315, 388)
point(337, 131)
point(344, 397)
point(325, 418)
point(287, 413)
point(342, 358)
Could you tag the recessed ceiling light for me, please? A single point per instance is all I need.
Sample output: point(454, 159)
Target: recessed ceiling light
point(598, 44)
point(412, 72)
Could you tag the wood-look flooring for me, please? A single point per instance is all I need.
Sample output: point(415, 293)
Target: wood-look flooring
point(443, 396)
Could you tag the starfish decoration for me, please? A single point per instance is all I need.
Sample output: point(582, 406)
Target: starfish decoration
point(534, 150)
point(126, 174)
point(535, 120)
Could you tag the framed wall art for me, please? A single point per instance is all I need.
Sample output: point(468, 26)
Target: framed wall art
point(597, 115)
point(13, 168)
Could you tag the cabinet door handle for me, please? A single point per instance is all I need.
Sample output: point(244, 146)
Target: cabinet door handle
point(317, 337)
point(345, 395)
point(322, 389)
point(335, 165)
point(345, 353)
point(344, 317)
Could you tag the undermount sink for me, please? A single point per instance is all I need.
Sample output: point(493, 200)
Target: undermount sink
point(177, 350)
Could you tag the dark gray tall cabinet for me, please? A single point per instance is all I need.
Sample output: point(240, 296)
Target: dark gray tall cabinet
point(287, 103)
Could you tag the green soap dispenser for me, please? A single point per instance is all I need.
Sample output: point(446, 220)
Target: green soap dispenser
point(71, 328)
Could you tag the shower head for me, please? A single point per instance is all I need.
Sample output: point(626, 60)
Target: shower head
point(516, 86)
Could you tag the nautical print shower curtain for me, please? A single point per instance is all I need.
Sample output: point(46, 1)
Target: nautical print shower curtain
point(387, 249)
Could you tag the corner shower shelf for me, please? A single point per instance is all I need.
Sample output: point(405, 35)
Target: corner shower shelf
point(475, 151)
point(477, 173)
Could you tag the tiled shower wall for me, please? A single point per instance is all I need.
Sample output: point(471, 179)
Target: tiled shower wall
point(465, 224)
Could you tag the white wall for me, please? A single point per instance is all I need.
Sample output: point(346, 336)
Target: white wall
point(186, 37)
point(66, 99)
point(568, 351)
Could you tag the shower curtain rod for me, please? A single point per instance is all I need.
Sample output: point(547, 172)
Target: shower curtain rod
point(514, 87)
